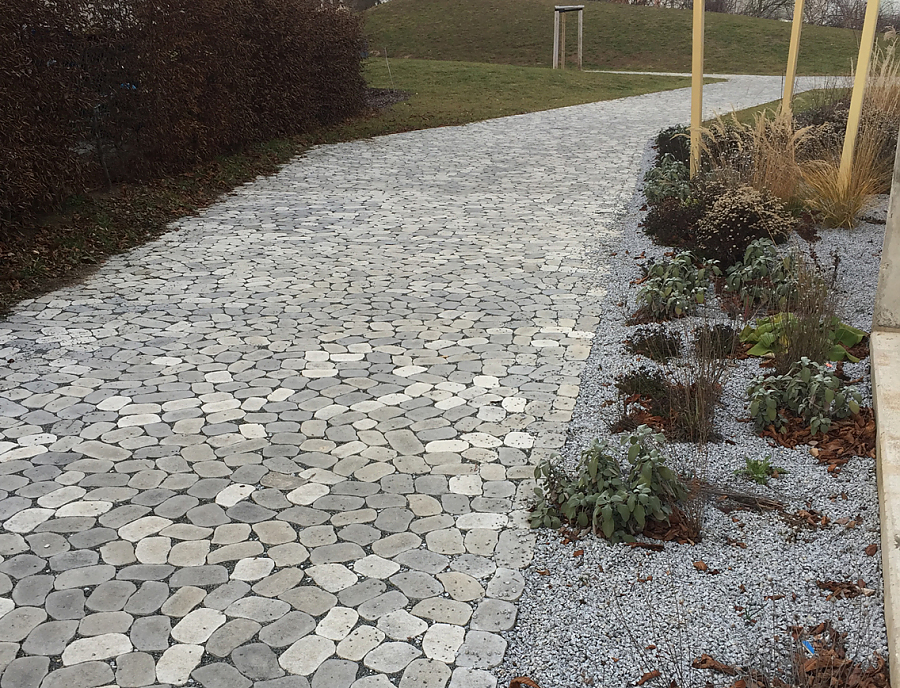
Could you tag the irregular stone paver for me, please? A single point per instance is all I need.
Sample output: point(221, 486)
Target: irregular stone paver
point(291, 443)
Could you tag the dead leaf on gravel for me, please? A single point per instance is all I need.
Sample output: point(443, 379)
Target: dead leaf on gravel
point(704, 661)
point(649, 676)
point(523, 682)
point(872, 549)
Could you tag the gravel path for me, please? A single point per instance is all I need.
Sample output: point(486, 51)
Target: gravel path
point(288, 444)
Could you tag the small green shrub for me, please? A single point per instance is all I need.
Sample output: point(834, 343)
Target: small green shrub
point(671, 222)
point(605, 498)
point(673, 288)
point(809, 391)
point(668, 179)
point(737, 218)
point(674, 142)
point(760, 470)
point(764, 279)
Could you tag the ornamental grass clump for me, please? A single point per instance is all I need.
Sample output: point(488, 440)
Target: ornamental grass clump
point(838, 202)
point(809, 391)
point(603, 497)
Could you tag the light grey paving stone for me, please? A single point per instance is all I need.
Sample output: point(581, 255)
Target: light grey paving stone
point(286, 682)
point(86, 675)
point(25, 672)
point(481, 650)
point(417, 585)
point(425, 673)
point(233, 634)
point(32, 591)
point(23, 565)
point(461, 586)
point(148, 599)
point(383, 604)
point(506, 584)
point(257, 662)
point(84, 577)
point(18, 623)
point(309, 599)
point(423, 560)
point(287, 630)
point(401, 625)
point(65, 604)
point(463, 677)
point(220, 675)
point(135, 669)
point(473, 565)
point(361, 592)
point(183, 601)
point(105, 622)
point(335, 673)
point(260, 609)
point(151, 633)
point(390, 658)
point(443, 611)
point(224, 595)
point(8, 652)
point(199, 576)
point(494, 615)
point(110, 596)
point(393, 545)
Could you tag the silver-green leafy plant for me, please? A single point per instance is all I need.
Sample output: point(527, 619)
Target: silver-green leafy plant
point(764, 278)
point(604, 497)
point(669, 178)
point(809, 390)
point(760, 470)
point(673, 288)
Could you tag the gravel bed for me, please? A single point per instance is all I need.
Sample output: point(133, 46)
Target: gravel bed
point(586, 619)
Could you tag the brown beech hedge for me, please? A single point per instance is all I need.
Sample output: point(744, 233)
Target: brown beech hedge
point(101, 91)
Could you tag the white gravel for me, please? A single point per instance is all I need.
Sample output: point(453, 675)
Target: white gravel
point(585, 620)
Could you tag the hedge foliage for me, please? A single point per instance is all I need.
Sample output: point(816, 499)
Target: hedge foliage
point(97, 91)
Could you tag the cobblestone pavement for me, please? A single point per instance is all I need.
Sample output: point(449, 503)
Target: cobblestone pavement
point(289, 444)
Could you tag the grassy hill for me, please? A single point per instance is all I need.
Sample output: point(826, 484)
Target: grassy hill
point(520, 32)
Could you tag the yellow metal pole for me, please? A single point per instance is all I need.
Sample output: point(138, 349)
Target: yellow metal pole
point(697, 85)
point(792, 57)
point(859, 92)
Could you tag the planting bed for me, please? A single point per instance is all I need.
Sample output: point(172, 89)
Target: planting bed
point(599, 614)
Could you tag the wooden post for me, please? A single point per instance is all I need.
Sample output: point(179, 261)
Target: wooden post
point(859, 92)
point(697, 85)
point(580, 33)
point(793, 52)
point(562, 41)
point(555, 39)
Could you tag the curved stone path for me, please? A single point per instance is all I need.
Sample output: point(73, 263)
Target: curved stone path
point(289, 444)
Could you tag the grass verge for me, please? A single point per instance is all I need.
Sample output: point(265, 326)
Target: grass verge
point(615, 37)
point(67, 245)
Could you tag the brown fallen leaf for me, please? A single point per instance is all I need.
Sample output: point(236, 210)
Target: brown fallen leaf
point(872, 549)
point(701, 566)
point(649, 676)
point(704, 661)
point(523, 682)
point(578, 553)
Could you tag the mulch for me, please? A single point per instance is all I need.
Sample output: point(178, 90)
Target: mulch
point(847, 438)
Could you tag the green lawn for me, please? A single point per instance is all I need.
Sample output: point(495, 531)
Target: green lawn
point(615, 37)
point(448, 93)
